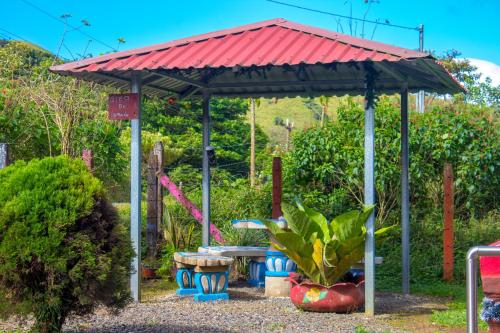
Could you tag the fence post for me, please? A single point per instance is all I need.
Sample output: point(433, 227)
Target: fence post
point(158, 152)
point(277, 188)
point(88, 159)
point(449, 209)
point(4, 155)
point(152, 204)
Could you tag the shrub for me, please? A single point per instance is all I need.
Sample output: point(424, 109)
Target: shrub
point(62, 248)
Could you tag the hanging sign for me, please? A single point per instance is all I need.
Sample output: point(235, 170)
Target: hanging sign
point(123, 106)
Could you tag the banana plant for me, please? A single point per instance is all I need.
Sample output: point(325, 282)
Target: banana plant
point(324, 251)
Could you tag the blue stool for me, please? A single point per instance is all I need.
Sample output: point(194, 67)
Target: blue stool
point(211, 286)
point(185, 280)
point(257, 272)
point(278, 264)
point(203, 275)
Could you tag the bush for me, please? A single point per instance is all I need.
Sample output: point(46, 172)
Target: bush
point(62, 248)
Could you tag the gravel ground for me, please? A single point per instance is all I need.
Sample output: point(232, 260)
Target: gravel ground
point(247, 311)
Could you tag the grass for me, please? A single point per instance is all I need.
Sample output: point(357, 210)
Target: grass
point(151, 289)
point(361, 329)
point(455, 315)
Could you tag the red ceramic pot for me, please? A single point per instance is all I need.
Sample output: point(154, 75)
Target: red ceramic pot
point(148, 273)
point(341, 297)
point(494, 326)
point(490, 275)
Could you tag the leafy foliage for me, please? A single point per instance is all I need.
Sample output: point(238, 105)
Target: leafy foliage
point(62, 248)
point(323, 251)
point(326, 165)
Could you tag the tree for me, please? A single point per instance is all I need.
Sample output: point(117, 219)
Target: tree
point(62, 247)
point(478, 92)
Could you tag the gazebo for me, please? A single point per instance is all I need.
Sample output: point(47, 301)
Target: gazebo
point(274, 58)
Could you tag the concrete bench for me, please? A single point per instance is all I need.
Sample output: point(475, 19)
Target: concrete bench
point(203, 275)
point(257, 265)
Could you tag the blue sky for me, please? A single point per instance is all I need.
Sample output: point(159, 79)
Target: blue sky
point(470, 26)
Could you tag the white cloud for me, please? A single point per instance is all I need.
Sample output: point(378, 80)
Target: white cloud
point(487, 69)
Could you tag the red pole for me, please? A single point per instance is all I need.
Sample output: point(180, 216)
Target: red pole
point(449, 211)
point(277, 188)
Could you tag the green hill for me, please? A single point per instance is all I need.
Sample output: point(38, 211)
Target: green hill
point(303, 112)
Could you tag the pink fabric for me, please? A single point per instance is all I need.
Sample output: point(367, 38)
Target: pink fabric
point(193, 210)
point(490, 266)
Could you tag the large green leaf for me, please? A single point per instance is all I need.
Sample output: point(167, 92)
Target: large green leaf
point(299, 222)
point(330, 258)
point(344, 226)
point(295, 243)
point(317, 218)
point(306, 264)
point(272, 227)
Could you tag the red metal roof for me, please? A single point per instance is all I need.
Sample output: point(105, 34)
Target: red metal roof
point(274, 43)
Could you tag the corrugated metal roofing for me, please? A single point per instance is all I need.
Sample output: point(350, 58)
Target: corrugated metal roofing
point(274, 57)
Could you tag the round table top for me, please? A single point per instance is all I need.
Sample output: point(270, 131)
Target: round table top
point(201, 259)
point(257, 224)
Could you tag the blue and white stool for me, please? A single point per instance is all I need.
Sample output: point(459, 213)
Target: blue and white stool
point(203, 275)
point(278, 264)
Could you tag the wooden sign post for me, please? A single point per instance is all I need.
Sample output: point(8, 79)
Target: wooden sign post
point(448, 213)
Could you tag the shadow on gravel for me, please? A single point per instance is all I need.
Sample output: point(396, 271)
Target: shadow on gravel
point(154, 328)
point(407, 305)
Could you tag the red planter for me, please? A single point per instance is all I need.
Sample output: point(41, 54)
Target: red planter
point(341, 297)
point(490, 275)
point(148, 273)
point(494, 326)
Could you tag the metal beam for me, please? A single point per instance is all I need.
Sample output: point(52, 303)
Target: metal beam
point(180, 78)
point(189, 92)
point(224, 85)
point(418, 75)
point(110, 77)
point(405, 192)
point(369, 182)
point(443, 77)
point(206, 171)
point(386, 68)
point(135, 192)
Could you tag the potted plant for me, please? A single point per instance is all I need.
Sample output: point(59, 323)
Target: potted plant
point(324, 252)
point(491, 314)
point(148, 268)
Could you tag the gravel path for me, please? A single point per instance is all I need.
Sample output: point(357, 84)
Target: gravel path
point(247, 311)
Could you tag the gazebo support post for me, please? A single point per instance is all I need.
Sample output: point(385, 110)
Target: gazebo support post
point(206, 171)
point(135, 192)
point(369, 180)
point(405, 192)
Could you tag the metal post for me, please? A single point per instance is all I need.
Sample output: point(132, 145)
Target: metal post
point(421, 96)
point(135, 193)
point(405, 192)
point(370, 197)
point(4, 155)
point(471, 281)
point(206, 171)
